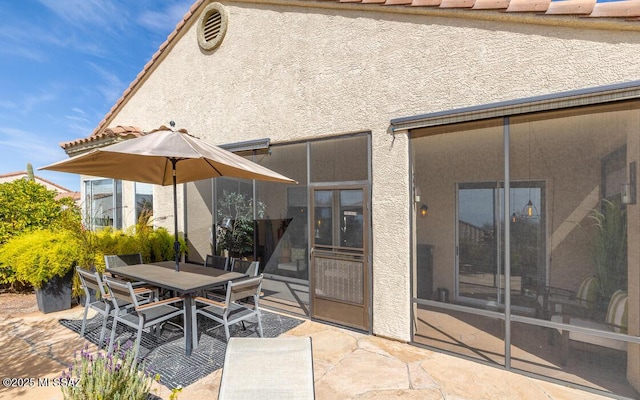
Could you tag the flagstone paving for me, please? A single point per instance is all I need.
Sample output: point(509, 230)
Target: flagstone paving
point(347, 365)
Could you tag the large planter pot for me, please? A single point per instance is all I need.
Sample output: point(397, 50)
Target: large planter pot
point(55, 295)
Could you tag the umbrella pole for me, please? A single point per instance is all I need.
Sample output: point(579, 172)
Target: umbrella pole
point(176, 243)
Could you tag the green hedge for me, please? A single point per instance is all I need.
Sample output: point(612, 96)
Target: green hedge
point(35, 257)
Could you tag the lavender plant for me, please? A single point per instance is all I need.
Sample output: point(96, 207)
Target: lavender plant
point(102, 376)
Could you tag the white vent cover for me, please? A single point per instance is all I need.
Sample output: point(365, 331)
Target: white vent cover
point(212, 26)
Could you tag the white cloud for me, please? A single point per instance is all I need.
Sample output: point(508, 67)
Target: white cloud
point(88, 14)
point(164, 20)
point(8, 104)
point(78, 126)
point(16, 41)
point(29, 145)
point(33, 100)
point(112, 86)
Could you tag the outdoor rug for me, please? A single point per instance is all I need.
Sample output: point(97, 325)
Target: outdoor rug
point(165, 354)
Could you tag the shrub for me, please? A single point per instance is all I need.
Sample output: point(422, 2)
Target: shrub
point(38, 256)
point(106, 376)
point(26, 205)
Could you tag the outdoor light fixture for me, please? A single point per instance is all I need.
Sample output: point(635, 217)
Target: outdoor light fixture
point(424, 211)
point(628, 190)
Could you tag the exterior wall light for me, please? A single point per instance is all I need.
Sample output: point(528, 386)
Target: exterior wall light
point(424, 211)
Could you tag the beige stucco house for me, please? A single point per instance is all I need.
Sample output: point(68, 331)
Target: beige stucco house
point(427, 137)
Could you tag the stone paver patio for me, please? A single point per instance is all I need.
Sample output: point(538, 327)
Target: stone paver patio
point(347, 365)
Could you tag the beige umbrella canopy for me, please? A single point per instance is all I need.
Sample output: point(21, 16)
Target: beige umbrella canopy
point(165, 157)
point(150, 159)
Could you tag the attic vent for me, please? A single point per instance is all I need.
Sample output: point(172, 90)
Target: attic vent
point(212, 26)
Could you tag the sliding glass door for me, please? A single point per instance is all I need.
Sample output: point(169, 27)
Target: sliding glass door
point(480, 243)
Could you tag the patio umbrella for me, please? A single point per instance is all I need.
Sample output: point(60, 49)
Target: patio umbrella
point(165, 157)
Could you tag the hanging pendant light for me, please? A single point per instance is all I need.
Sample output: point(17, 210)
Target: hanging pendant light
point(530, 211)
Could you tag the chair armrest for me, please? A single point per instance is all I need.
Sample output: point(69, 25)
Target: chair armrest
point(143, 290)
point(210, 302)
point(159, 303)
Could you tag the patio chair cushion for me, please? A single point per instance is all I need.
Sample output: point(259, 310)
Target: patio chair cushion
point(615, 321)
point(617, 312)
point(289, 374)
point(588, 291)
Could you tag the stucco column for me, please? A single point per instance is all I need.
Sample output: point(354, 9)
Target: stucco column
point(391, 236)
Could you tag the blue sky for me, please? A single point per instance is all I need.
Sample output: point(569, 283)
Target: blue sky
point(64, 64)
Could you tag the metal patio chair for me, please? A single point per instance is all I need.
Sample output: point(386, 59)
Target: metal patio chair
point(218, 262)
point(101, 301)
point(250, 268)
point(122, 260)
point(141, 316)
point(232, 310)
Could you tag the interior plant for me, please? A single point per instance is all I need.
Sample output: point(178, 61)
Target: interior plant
point(101, 375)
point(239, 239)
point(609, 247)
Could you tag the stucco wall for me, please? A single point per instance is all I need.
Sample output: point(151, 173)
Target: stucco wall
point(292, 73)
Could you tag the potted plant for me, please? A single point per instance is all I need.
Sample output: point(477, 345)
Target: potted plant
point(238, 240)
point(609, 248)
point(44, 259)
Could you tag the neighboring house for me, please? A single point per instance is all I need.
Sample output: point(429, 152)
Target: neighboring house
point(62, 191)
point(480, 110)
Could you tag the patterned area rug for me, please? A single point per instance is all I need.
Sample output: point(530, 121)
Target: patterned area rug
point(165, 354)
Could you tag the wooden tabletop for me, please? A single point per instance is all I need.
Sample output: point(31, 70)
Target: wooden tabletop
point(191, 277)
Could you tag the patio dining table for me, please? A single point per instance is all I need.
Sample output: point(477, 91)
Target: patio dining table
point(188, 281)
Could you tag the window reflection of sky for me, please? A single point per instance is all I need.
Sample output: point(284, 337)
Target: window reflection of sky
point(476, 206)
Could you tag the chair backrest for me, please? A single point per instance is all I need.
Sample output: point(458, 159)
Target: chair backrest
point(250, 268)
point(617, 312)
point(587, 294)
point(243, 289)
point(218, 262)
point(121, 260)
point(120, 290)
point(91, 280)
